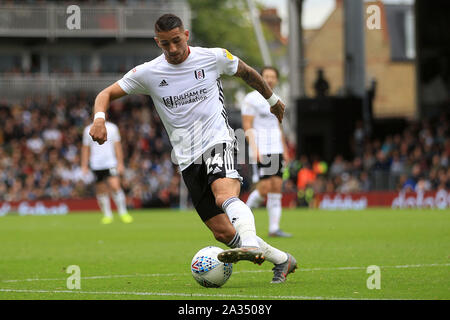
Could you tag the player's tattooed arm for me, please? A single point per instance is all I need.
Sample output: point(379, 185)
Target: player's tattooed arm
point(253, 79)
point(256, 81)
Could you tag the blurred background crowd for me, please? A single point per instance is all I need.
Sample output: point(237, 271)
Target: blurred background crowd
point(40, 143)
point(40, 146)
point(415, 159)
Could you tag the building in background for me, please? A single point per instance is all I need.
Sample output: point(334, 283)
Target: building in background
point(390, 54)
point(43, 51)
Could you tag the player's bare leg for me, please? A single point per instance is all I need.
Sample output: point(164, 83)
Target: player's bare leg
point(221, 228)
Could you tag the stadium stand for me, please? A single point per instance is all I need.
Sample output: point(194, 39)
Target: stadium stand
point(40, 133)
point(40, 142)
point(416, 159)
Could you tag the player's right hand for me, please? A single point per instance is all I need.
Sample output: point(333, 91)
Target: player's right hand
point(98, 131)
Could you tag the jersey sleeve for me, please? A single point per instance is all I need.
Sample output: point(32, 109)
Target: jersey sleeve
point(226, 62)
point(86, 137)
point(248, 107)
point(115, 134)
point(133, 82)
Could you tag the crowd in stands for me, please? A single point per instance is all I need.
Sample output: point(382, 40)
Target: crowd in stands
point(87, 2)
point(40, 146)
point(40, 143)
point(416, 159)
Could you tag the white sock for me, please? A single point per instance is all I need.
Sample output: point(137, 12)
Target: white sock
point(235, 242)
point(254, 199)
point(242, 218)
point(274, 210)
point(105, 205)
point(255, 176)
point(120, 201)
point(272, 254)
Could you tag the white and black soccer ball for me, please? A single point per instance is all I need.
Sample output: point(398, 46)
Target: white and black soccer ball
point(207, 270)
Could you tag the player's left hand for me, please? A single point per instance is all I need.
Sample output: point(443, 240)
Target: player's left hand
point(278, 110)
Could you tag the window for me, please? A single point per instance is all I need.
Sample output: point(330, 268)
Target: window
point(400, 19)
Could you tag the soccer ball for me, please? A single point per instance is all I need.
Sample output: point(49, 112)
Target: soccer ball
point(207, 270)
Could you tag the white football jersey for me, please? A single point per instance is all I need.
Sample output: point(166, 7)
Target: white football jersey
point(102, 156)
point(265, 124)
point(188, 98)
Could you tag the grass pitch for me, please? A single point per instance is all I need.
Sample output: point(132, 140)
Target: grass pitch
point(150, 258)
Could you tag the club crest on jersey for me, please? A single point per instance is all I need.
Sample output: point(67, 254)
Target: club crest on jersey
point(199, 74)
point(168, 102)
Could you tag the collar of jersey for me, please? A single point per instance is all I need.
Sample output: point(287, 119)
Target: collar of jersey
point(180, 64)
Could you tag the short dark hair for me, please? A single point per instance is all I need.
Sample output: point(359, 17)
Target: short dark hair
point(168, 22)
point(270, 68)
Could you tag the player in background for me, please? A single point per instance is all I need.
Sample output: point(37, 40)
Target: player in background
point(267, 146)
point(106, 162)
point(184, 83)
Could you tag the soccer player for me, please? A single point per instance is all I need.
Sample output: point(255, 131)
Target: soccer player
point(268, 146)
point(184, 83)
point(106, 162)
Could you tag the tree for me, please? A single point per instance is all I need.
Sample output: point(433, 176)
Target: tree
point(225, 24)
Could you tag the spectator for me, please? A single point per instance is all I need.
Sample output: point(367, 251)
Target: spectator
point(35, 143)
point(410, 184)
point(382, 162)
point(321, 85)
point(338, 166)
point(397, 165)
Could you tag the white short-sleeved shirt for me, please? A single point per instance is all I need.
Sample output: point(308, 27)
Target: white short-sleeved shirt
point(188, 98)
point(265, 124)
point(102, 156)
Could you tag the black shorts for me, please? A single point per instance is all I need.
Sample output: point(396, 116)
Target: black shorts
point(101, 175)
point(270, 165)
point(217, 162)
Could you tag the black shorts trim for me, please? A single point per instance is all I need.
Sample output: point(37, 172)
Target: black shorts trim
point(270, 165)
point(101, 175)
point(217, 162)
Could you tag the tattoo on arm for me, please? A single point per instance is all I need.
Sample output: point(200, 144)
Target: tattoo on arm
point(253, 79)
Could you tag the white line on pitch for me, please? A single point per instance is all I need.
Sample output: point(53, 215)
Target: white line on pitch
point(183, 294)
point(235, 272)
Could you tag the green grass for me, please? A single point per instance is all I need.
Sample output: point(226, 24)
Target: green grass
point(150, 258)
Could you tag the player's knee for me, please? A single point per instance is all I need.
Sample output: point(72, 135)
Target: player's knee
point(276, 184)
point(220, 199)
point(263, 188)
point(224, 236)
